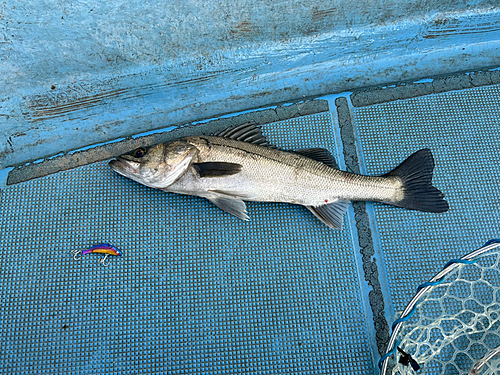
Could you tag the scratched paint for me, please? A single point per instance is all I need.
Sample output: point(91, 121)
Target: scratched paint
point(77, 74)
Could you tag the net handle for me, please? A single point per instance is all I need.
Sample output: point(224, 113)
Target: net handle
point(422, 289)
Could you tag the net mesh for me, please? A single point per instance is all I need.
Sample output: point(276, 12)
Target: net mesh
point(456, 323)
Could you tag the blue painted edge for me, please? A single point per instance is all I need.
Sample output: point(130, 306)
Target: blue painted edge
point(4, 174)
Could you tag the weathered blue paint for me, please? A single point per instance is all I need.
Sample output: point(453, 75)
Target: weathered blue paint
point(82, 73)
point(4, 174)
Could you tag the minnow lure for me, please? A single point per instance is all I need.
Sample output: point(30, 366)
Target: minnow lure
point(103, 248)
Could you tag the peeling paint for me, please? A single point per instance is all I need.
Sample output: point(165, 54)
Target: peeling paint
point(55, 156)
point(425, 80)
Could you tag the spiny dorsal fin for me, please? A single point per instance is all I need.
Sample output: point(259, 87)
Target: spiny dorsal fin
point(319, 154)
point(248, 132)
point(251, 133)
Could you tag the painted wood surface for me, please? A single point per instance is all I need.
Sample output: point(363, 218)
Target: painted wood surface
point(76, 74)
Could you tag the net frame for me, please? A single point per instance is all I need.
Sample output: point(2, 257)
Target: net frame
point(423, 289)
point(476, 369)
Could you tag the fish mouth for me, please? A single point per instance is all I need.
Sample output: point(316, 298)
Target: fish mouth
point(124, 166)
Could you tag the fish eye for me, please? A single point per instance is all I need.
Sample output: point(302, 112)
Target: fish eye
point(139, 153)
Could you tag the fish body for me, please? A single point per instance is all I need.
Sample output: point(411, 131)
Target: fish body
point(238, 165)
point(272, 175)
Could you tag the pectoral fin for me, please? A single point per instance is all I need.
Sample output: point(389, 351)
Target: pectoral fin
point(332, 215)
point(216, 169)
point(231, 205)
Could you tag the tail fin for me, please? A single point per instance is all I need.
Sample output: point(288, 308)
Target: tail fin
point(416, 175)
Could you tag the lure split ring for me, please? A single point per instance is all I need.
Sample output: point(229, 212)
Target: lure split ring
point(101, 249)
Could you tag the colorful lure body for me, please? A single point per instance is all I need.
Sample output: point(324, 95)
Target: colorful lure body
point(103, 248)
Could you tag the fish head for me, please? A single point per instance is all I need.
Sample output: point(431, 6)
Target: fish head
point(157, 166)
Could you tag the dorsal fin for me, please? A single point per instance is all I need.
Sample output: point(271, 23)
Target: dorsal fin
point(248, 132)
point(319, 154)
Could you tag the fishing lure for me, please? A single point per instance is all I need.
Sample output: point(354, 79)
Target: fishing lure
point(103, 248)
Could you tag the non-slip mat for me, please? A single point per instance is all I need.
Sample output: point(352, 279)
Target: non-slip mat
point(462, 130)
point(197, 291)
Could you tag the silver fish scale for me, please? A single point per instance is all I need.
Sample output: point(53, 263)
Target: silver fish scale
point(273, 175)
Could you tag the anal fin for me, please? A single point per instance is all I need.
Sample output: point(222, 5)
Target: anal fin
point(332, 215)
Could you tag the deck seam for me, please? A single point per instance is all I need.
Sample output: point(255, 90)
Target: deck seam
point(364, 233)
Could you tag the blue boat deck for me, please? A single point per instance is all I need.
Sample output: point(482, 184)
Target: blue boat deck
point(198, 291)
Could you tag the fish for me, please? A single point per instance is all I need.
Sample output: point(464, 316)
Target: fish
point(238, 165)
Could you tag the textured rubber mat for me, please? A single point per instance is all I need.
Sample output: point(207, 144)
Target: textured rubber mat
point(197, 291)
point(461, 128)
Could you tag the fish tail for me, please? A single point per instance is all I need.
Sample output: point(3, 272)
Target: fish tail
point(416, 176)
